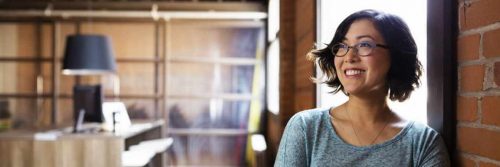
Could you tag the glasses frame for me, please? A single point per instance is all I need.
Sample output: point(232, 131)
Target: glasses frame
point(355, 48)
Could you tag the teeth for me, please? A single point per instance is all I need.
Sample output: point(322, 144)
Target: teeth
point(353, 72)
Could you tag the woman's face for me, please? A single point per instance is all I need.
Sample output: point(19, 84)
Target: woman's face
point(363, 74)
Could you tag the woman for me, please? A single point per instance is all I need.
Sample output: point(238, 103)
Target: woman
point(371, 57)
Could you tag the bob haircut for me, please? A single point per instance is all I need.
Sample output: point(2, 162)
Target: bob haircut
point(405, 69)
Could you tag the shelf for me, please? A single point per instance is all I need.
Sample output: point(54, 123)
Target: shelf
point(212, 96)
point(46, 59)
point(226, 61)
point(208, 132)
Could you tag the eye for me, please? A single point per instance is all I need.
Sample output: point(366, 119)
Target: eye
point(342, 46)
point(365, 45)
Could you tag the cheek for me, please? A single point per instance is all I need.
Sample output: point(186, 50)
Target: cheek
point(337, 62)
point(381, 65)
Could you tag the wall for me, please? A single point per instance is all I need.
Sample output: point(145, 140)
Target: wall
point(31, 57)
point(478, 101)
point(297, 91)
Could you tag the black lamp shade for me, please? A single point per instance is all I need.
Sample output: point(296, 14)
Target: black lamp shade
point(88, 55)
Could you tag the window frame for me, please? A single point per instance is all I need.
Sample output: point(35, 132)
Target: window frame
point(442, 27)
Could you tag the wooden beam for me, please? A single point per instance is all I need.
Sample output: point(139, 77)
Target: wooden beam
point(137, 5)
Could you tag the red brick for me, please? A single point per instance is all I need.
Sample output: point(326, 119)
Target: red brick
point(486, 164)
point(461, 18)
point(479, 141)
point(472, 78)
point(465, 162)
point(496, 73)
point(304, 100)
point(491, 110)
point(479, 13)
point(468, 47)
point(491, 41)
point(304, 18)
point(466, 108)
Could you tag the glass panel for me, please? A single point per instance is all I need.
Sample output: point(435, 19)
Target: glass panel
point(65, 111)
point(140, 108)
point(136, 78)
point(23, 112)
point(206, 41)
point(65, 29)
point(120, 34)
point(66, 83)
point(18, 39)
point(208, 150)
point(190, 78)
point(17, 77)
point(215, 113)
point(237, 79)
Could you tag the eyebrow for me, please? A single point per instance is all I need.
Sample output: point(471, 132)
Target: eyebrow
point(359, 37)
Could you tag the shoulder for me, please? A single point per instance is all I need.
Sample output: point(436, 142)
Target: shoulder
point(429, 148)
point(418, 129)
point(423, 136)
point(309, 116)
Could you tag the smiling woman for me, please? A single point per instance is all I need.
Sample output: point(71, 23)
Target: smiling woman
point(372, 56)
point(413, 13)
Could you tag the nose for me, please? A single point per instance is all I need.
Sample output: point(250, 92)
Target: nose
point(351, 56)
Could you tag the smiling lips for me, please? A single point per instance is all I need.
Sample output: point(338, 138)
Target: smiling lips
point(353, 72)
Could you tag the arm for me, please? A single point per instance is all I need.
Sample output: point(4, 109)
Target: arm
point(292, 149)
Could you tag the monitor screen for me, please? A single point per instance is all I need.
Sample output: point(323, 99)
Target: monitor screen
point(89, 98)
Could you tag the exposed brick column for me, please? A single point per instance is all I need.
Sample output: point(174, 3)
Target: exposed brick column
point(478, 101)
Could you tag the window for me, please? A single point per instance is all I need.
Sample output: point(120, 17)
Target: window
point(273, 58)
point(214, 75)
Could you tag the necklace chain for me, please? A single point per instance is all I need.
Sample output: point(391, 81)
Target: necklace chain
point(356, 134)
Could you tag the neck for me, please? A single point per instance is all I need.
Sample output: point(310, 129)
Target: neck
point(369, 110)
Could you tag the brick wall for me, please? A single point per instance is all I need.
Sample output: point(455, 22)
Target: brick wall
point(478, 97)
point(305, 30)
point(297, 92)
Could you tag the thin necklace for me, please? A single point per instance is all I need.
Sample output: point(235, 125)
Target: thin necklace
point(356, 134)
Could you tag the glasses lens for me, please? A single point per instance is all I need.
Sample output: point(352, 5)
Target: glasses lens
point(339, 49)
point(364, 48)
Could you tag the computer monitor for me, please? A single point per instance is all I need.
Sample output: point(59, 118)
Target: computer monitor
point(89, 98)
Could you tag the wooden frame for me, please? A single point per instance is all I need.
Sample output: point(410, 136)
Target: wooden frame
point(442, 25)
point(139, 5)
point(55, 93)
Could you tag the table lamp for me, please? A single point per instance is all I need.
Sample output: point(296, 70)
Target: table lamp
point(87, 55)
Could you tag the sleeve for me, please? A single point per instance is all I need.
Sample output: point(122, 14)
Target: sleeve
point(435, 155)
point(292, 149)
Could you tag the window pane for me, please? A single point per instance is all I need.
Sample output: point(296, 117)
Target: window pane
point(190, 78)
point(136, 78)
point(129, 40)
point(140, 108)
point(23, 111)
point(208, 113)
point(208, 150)
point(210, 42)
point(17, 77)
point(237, 79)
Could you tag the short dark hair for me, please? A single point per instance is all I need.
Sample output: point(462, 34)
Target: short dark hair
point(405, 69)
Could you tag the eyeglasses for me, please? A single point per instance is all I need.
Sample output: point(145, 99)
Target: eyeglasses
point(361, 49)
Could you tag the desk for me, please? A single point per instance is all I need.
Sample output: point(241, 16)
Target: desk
point(59, 149)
